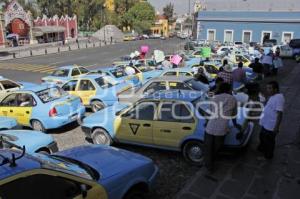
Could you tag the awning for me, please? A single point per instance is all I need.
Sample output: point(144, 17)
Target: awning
point(40, 30)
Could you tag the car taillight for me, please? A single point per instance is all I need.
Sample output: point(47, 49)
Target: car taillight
point(53, 112)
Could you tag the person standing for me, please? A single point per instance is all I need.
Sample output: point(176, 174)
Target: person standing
point(267, 61)
point(217, 127)
point(239, 76)
point(271, 120)
point(257, 68)
point(200, 76)
point(226, 74)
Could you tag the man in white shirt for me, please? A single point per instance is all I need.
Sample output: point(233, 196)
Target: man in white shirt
point(270, 120)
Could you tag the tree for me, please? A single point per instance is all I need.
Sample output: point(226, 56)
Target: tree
point(169, 11)
point(140, 17)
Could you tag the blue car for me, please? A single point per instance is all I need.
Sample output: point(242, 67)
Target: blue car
point(7, 123)
point(34, 141)
point(119, 74)
point(42, 107)
point(83, 172)
point(172, 120)
point(64, 74)
point(96, 91)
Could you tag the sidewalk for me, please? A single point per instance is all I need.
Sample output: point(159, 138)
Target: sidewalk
point(244, 177)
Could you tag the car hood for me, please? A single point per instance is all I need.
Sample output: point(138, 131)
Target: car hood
point(27, 84)
point(25, 137)
point(108, 161)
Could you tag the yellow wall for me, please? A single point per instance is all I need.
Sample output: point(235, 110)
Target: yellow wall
point(161, 27)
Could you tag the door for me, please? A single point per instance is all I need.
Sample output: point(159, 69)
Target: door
point(86, 90)
point(173, 124)
point(211, 35)
point(287, 37)
point(247, 37)
point(266, 36)
point(70, 87)
point(25, 103)
point(137, 123)
point(8, 105)
point(228, 37)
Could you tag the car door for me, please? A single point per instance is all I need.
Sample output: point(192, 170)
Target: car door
point(136, 124)
point(85, 90)
point(175, 121)
point(49, 184)
point(23, 111)
point(70, 87)
point(7, 105)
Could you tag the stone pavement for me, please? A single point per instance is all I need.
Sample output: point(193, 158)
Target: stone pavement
point(245, 177)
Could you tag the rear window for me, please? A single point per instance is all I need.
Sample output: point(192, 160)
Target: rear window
point(61, 73)
point(105, 82)
point(51, 94)
point(9, 84)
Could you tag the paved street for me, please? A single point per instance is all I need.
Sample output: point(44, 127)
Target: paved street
point(33, 68)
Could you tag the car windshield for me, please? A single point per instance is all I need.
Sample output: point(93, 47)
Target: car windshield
point(106, 82)
point(51, 94)
point(67, 165)
point(61, 73)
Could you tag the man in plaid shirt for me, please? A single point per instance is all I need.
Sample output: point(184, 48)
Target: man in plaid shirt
point(226, 74)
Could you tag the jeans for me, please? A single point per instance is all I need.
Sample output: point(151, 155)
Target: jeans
point(267, 143)
point(212, 145)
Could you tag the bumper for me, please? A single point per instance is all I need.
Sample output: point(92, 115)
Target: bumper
point(57, 122)
point(152, 179)
point(87, 131)
point(53, 147)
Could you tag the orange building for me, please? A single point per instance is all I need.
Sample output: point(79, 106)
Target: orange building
point(161, 26)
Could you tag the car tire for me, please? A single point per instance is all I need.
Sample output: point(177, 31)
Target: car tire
point(193, 152)
point(37, 126)
point(135, 194)
point(97, 105)
point(100, 136)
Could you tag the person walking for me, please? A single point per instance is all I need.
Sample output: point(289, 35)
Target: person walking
point(271, 120)
point(267, 61)
point(239, 76)
point(218, 125)
point(226, 74)
point(257, 68)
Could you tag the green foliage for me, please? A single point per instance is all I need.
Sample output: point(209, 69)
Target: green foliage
point(169, 11)
point(140, 17)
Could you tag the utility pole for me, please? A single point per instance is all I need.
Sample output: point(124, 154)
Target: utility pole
point(189, 27)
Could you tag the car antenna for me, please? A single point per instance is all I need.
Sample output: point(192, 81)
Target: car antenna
point(14, 158)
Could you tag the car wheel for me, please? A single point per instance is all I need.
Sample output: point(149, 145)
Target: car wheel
point(37, 126)
point(100, 136)
point(97, 105)
point(193, 152)
point(135, 194)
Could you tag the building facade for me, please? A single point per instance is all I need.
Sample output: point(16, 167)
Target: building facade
point(161, 26)
point(17, 27)
point(250, 26)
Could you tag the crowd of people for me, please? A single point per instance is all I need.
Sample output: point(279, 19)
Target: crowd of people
point(232, 86)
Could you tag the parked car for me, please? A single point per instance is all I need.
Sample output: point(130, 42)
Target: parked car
point(83, 172)
point(151, 122)
point(7, 123)
point(163, 83)
point(34, 141)
point(64, 74)
point(295, 45)
point(119, 74)
point(96, 91)
point(42, 107)
point(8, 85)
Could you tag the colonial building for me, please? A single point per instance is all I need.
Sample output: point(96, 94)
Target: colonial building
point(18, 26)
point(161, 26)
point(249, 21)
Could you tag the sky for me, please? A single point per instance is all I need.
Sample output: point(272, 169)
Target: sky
point(181, 6)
